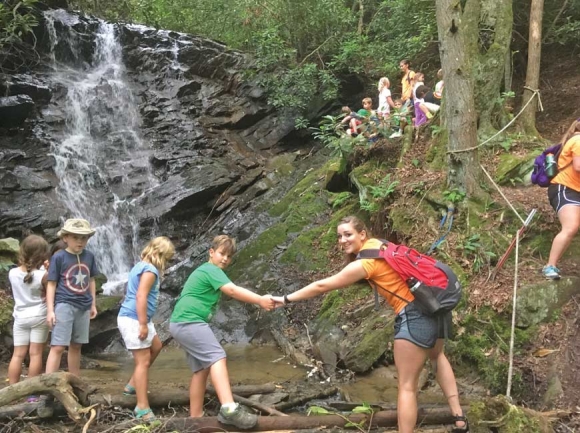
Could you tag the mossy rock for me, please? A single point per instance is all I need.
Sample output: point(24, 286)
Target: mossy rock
point(6, 309)
point(9, 249)
point(99, 281)
point(515, 168)
point(108, 303)
point(497, 414)
point(365, 344)
point(538, 302)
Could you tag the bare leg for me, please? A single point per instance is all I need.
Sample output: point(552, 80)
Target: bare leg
point(142, 359)
point(220, 379)
point(154, 351)
point(53, 361)
point(74, 358)
point(446, 378)
point(15, 367)
point(35, 367)
point(197, 392)
point(569, 217)
point(409, 360)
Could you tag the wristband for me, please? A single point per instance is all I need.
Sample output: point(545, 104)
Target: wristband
point(286, 300)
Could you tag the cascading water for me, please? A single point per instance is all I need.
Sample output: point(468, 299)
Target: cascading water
point(99, 144)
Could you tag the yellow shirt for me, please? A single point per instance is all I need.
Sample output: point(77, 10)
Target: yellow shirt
point(407, 85)
point(567, 176)
point(385, 277)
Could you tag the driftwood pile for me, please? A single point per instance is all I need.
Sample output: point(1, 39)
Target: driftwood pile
point(68, 394)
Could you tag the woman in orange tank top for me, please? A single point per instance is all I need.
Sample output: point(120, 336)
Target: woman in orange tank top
point(417, 336)
point(564, 196)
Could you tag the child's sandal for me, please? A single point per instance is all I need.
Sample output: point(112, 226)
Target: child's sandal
point(465, 428)
point(145, 414)
point(129, 390)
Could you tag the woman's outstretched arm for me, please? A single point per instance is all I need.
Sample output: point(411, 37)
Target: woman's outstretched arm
point(350, 274)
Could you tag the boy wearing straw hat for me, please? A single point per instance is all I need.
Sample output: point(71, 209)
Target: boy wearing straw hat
point(71, 295)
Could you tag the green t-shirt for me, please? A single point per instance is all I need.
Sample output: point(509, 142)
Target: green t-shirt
point(363, 113)
point(200, 295)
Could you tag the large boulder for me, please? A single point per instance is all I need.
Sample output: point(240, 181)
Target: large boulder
point(538, 302)
point(14, 110)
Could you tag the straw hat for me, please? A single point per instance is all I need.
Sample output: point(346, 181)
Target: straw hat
point(76, 226)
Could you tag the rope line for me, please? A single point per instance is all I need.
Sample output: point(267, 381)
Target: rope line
point(513, 330)
point(502, 194)
point(540, 108)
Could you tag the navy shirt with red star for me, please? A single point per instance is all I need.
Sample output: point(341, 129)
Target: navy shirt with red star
point(73, 275)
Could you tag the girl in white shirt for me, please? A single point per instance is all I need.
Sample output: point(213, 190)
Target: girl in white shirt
point(385, 99)
point(30, 328)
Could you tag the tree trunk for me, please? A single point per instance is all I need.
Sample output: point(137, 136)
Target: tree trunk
point(492, 43)
point(528, 117)
point(456, 25)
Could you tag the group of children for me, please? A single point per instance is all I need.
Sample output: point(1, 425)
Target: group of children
point(417, 105)
point(55, 289)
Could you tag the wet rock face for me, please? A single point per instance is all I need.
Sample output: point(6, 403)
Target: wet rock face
point(203, 127)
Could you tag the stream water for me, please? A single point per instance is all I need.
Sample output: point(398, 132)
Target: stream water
point(249, 364)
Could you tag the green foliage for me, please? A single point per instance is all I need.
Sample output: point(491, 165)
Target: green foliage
point(17, 20)
point(317, 410)
point(299, 46)
point(340, 199)
point(475, 250)
point(365, 408)
point(385, 188)
point(454, 195)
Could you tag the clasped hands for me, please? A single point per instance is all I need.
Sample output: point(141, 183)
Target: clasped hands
point(269, 302)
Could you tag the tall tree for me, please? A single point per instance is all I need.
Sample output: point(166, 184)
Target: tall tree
point(528, 117)
point(490, 46)
point(456, 24)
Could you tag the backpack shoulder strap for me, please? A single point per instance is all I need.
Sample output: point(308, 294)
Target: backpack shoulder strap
point(373, 253)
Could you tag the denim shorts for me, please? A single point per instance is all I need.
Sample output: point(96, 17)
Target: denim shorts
point(202, 349)
point(72, 325)
point(420, 329)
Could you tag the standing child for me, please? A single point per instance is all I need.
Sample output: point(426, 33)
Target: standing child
point(189, 327)
point(135, 316)
point(71, 295)
point(30, 329)
point(385, 99)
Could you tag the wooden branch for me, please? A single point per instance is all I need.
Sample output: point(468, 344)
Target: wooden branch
point(553, 25)
point(177, 397)
point(431, 416)
point(61, 385)
point(259, 406)
point(306, 398)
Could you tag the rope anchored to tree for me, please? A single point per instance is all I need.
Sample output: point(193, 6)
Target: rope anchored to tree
point(540, 108)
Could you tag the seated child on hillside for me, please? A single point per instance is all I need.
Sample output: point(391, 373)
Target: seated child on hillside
point(438, 93)
point(354, 120)
point(424, 102)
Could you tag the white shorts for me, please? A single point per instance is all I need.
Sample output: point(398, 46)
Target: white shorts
point(129, 329)
point(30, 330)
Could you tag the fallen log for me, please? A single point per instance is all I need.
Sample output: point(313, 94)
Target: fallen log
point(430, 416)
point(175, 397)
point(70, 390)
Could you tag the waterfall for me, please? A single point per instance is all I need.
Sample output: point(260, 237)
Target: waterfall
point(100, 145)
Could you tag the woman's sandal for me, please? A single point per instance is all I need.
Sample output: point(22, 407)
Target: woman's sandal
point(465, 428)
point(145, 414)
point(129, 390)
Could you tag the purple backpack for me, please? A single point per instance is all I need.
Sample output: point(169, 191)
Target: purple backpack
point(539, 175)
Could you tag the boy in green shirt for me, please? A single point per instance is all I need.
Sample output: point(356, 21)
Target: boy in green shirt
point(189, 327)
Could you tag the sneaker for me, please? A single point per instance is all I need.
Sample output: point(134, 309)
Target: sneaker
point(396, 134)
point(238, 418)
point(551, 272)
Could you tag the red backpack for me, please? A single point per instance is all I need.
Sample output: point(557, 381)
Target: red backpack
point(434, 285)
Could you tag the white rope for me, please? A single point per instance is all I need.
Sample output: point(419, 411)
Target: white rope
point(502, 194)
point(540, 108)
point(513, 330)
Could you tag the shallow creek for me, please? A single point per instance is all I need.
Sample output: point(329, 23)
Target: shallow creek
point(248, 364)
